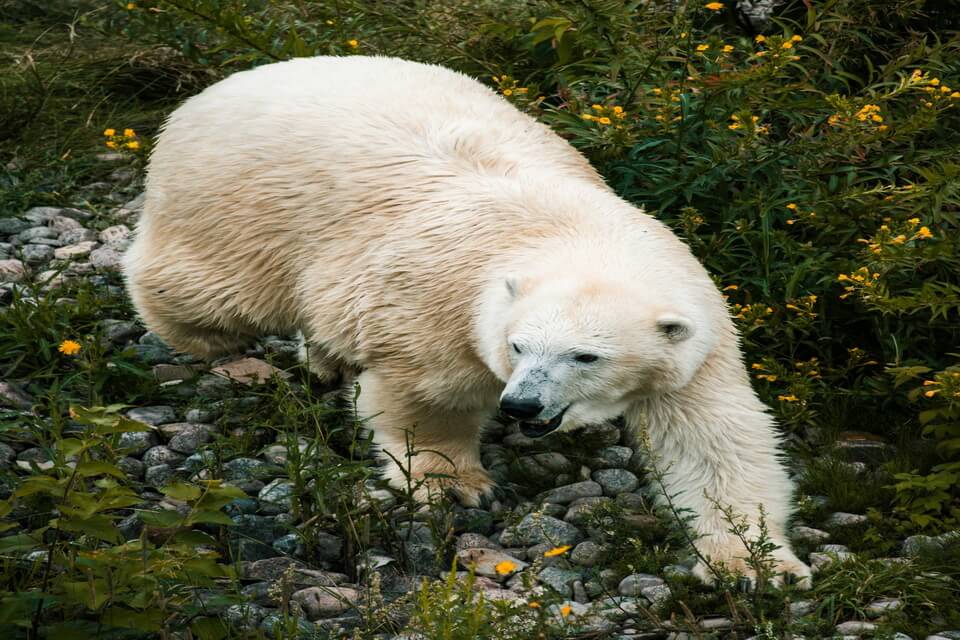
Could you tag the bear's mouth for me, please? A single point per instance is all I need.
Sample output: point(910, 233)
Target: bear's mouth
point(538, 428)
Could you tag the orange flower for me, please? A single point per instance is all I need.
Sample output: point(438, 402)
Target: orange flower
point(556, 551)
point(69, 347)
point(714, 6)
point(505, 567)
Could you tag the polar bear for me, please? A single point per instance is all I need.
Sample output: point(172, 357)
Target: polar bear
point(419, 229)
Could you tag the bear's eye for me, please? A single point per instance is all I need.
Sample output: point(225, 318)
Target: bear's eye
point(516, 347)
point(586, 357)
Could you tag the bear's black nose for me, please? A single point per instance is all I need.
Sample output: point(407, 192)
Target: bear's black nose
point(520, 408)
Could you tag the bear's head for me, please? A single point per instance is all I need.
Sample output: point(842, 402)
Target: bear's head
point(579, 350)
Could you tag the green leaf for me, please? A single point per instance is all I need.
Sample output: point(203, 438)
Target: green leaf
point(164, 519)
point(182, 491)
point(210, 517)
point(209, 628)
point(98, 467)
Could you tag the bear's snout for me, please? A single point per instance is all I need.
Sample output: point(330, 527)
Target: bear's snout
point(520, 408)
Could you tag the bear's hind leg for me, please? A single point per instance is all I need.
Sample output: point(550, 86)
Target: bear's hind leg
point(424, 448)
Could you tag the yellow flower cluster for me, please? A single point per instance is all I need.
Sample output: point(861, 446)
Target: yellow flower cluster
point(945, 384)
point(510, 88)
point(748, 125)
point(897, 235)
point(868, 114)
point(669, 109)
point(860, 280)
point(601, 114)
point(778, 47)
point(938, 93)
point(804, 306)
point(126, 140)
point(795, 209)
point(751, 314)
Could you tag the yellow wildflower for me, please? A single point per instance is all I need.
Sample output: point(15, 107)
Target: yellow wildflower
point(791, 221)
point(604, 120)
point(702, 47)
point(769, 377)
point(787, 45)
point(931, 393)
point(727, 48)
point(565, 610)
point(133, 144)
point(955, 95)
point(713, 6)
point(760, 54)
point(557, 551)
point(131, 5)
point(731, 287)
point(505, 567)
point(756, 365)
point(533, 604)
point(69, 347)
point(788, 398)
point(353, 43)
point(792, 206)
point(656, 91)
point(587, 116)
point(760, 38)
point(597, 107)
point(618, 110)
point(111, 144)
point(109, 132)
point(934, 81)
point(913, 222)
point(129, 133)
point(734, 126)
point(796, 38)
point(923, 233)
point(508, 92)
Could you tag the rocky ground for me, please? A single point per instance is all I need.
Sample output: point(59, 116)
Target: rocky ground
point(576, 531)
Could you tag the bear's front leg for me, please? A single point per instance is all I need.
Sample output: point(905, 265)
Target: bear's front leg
point(424, 449)
point(716, 449)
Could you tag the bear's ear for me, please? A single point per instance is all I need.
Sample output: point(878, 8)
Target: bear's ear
point(676, 328)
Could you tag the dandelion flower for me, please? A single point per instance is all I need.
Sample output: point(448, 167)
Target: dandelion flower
point(565, 610)
point(109, 132)
point(69, 347)
point(714, 6)
point(353, 43)
point(505, 567)
point(556, 551)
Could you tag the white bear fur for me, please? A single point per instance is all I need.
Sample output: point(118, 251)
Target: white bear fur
point(411, 223)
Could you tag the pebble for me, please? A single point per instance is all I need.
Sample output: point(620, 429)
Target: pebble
point(325, 602)
point(78, 250)
point(247, 468)
point(106, 258)
point(35, 254)
point(809, 535)
point(586, 554)
point(12, 270)
point(137, 442)
point(536, 528)
point(189, 437)
point(571, 492)
point(656, 594)
point(945, 635)
point(882, 606)
point(581, 511)
point(12, 395)
point(115, 233)
point(158, 475)
point(76, 236)
point(471, 540)
point(801, 608)
point(919, 544)
point(820, 560)
point(36, 233)
point(161, 454)
point(560, 580)
point(155, 415)
point(616, 481)
point(484, 562)
point(276, 497)
point(855, 628)
point(12, 226)
point(841, 519)
point(634, 584)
